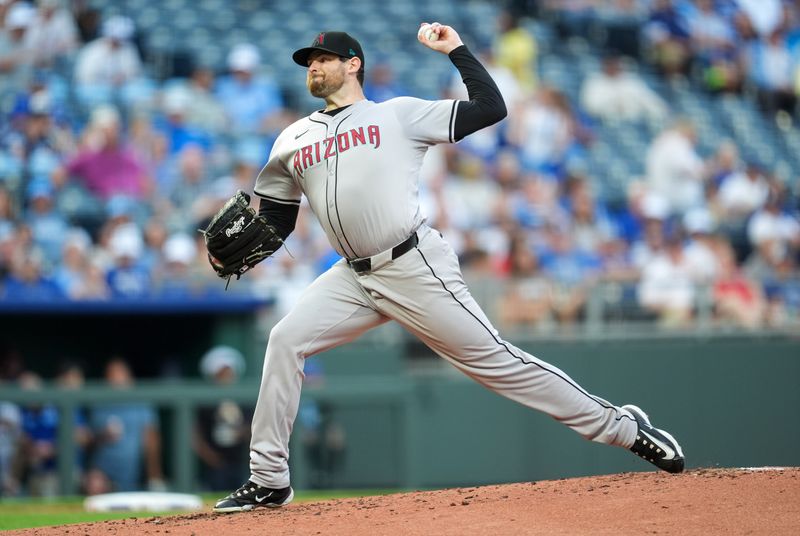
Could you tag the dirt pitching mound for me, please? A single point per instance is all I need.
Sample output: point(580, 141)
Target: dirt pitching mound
point(701, 501)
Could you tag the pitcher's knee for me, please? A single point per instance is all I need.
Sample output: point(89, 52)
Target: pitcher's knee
point(285, 340)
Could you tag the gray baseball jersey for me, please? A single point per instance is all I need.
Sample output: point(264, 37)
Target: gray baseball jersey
point(359, 170)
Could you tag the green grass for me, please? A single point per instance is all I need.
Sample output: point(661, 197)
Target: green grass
point(28, 513)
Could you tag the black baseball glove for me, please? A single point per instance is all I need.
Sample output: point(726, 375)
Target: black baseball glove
point(237, 238)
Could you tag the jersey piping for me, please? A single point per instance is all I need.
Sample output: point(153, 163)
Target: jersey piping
point(515, 356)
point(278, 199)
point(336, 186)
point(452, 129)
point(327, 182)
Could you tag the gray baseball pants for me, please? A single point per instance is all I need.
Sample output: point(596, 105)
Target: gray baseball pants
point(424, 292)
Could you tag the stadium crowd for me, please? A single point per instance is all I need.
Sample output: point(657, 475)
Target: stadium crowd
point(107, 172)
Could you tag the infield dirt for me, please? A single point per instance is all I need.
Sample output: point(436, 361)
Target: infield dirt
point(701, 501)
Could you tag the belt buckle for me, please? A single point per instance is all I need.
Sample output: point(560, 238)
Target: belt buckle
point(366, 262)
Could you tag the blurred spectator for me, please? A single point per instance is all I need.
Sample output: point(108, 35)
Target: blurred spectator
point(16, 243)
point(10, 443)
point(470, 195)
point(70, 377)
point(667, 37)
point(37, 142)
point(616, 257)
point(771, 68)
point(127, 439)
point(189, 184)
point(16, 60)
point(700, 251)
point(155, 235)
point(783, 300)
point(380, 84)
point(40, 428)
point(759, 17)
point(572, 272)
point(7, 233)
point(515, 49)
point(725, 162)
point(8, 217)
point(252, 102)
point(574, 16)
point(150, 148)
point(667, 287)
point(247, 161)
point(737, 299)
point(651, 213)
point(53, 33)
point(73, 274)
point(105, 165)
point(222, 432)
point(535, 204)
point(528, 296)
point(714, 46)
point(615, 94)
point(477, 264)
point(175, 126)
point(128, 278)
point(203, 110)
point(47, 224)
point(12, 363)
point(87, 19)
point(628, 217)
point(174, 275)
point(775, 237)
point(742, 193)
point(674, 170)
point(27, 280)
point(544, 130)
point(620, 23)
point(590, 225)
point(106, 67)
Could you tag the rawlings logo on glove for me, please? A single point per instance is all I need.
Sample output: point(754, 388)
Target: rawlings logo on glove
point(235, 228)
point(237, 238)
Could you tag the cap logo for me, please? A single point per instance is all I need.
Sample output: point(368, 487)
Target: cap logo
point(321, 39)
point(352, 52)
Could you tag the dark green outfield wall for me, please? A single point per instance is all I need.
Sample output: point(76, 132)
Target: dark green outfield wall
point(731, 402)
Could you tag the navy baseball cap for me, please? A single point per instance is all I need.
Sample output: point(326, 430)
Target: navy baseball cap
point(339, 43)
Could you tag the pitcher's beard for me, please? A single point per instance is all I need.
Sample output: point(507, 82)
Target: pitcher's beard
point(322, 87)
point(319, 90)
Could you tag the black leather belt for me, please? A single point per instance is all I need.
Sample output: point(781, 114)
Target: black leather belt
point(365, 265)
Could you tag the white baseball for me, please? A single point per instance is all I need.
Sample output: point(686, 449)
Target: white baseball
point(428, 33)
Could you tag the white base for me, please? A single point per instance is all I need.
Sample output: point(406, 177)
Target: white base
point(142, 501)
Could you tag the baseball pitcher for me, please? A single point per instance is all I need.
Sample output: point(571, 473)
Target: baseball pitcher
point(358, 162)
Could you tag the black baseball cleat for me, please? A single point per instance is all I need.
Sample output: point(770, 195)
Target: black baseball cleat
point(654, 445)
point(252, 495)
